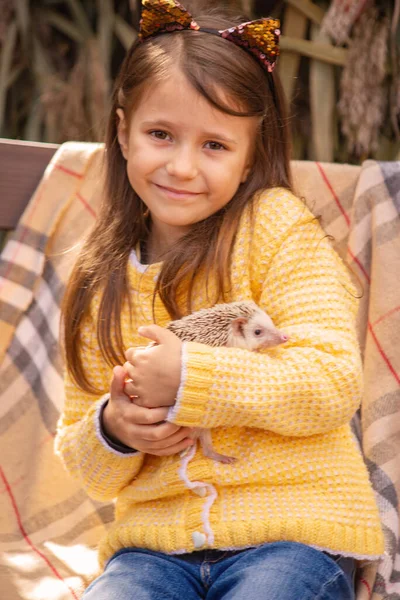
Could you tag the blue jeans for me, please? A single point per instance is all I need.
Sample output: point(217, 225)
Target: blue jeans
point(284, 570)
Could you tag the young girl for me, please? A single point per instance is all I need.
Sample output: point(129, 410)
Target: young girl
point(199, 210)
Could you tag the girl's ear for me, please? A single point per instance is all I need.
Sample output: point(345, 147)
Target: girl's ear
point(122, 130)
point(245, 174)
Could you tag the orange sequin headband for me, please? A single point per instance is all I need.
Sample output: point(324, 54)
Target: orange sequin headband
point(260, 37)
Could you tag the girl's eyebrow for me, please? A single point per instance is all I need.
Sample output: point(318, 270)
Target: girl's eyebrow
point(168, 125)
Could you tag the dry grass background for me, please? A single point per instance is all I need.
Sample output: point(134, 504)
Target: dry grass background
point(58, 59)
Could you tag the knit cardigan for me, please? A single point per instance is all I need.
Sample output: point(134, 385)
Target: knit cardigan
point(283, 412)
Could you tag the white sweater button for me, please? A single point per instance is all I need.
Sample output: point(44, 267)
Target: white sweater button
point(199, 539)
point(200, 490)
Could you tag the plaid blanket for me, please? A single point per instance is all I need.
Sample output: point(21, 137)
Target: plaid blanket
point(49, 528)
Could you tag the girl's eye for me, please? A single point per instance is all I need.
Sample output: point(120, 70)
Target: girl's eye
point(215, 146)
point(160, 135)
point(257, 332)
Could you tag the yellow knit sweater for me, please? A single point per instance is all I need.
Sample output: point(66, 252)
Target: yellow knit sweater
point(284, 413)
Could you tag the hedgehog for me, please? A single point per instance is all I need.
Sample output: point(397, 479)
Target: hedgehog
point(234, 325)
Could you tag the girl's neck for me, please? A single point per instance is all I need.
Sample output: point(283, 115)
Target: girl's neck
point(152, 250)
point(148, 253)
point(158, 243)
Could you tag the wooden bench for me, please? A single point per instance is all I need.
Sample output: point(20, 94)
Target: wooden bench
point(48, 517)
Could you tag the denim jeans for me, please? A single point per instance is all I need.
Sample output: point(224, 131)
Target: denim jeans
point(284, 570)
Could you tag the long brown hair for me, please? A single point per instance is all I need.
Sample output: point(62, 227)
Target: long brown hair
point(211, 64)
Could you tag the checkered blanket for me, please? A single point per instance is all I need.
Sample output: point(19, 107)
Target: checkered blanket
point(49, 528)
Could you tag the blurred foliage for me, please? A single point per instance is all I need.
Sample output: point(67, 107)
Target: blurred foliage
point(58, 59)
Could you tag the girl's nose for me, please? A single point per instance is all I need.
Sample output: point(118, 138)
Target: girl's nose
point(182, 164)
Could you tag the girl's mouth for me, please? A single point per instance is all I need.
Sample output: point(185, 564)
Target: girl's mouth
point(174, 192)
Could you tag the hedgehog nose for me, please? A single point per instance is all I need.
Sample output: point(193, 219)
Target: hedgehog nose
point(284, 337)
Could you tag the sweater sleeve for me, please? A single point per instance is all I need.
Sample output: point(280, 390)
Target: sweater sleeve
point(310, 385)
point(102, 470)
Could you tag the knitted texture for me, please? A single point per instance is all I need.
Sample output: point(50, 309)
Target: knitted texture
point(283, 412)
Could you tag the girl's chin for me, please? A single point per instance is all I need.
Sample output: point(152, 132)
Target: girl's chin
point(174, 222)
point(166, 225)
point(182, 226)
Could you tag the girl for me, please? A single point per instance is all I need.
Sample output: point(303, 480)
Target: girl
point(199, 209)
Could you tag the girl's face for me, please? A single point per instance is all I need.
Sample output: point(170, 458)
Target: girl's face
point(185, 158)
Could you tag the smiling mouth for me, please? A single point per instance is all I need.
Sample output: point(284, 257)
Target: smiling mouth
point(176, 192)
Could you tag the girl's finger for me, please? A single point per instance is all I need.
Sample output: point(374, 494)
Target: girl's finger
point(161, 436)
point(146, 416)
point(129, 388)
point(176, 449)
point(130, 369)
point(118, 381)
point(131, 352)
point(140, 399)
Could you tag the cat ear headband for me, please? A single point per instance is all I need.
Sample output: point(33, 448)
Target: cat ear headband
point(260, 38)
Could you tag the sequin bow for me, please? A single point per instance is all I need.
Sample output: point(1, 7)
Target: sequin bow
point(260, 37)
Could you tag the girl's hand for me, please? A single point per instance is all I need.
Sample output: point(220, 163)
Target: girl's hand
point(138, 427)
point(155, 371)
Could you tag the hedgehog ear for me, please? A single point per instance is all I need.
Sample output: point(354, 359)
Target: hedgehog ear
point(237, 325)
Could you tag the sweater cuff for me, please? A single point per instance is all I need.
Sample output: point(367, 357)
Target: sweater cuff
point(114, 444)
point(198, 364)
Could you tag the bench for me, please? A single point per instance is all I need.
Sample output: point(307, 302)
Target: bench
point(49, 527)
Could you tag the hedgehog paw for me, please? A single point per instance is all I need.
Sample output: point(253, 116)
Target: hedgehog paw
point(226, 460)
